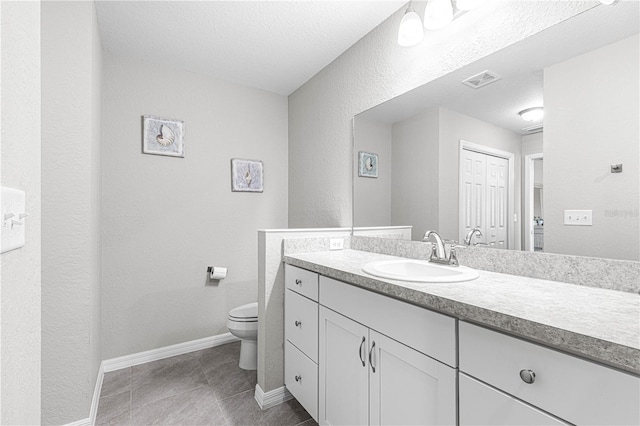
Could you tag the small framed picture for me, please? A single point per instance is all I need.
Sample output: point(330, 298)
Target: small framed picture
point(246, 175)
point(367, 164)
point(162, 136)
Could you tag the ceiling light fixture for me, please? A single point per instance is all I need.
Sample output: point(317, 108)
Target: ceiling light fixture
point(608, 2)
point(410, 32)
point(468, 4)
point(438, 14)
point(532, 114)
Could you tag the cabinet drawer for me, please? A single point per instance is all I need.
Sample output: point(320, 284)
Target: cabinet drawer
point(426, 331)
point(301, 281)
point(301, 323)
point(571, 388)
point(301, 378)
point(481, 405)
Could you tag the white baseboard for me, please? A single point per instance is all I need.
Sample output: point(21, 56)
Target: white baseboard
point(96, 396)
point(119, 363)
point(272, 398)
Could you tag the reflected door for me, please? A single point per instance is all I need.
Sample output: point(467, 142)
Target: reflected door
point(484, 197)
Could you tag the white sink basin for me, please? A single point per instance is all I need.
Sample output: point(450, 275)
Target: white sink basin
point(419, 271)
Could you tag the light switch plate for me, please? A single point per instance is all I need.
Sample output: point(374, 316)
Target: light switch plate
point(13, 217)
point(578, 217)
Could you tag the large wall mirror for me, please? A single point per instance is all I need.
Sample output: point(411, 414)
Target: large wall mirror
point(451, 156)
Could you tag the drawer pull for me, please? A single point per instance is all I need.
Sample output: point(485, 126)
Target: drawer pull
point(298, 378)
point(360, 351)
point(528, 376)
point(298, 281)
point(298, 323)
point(373, 367)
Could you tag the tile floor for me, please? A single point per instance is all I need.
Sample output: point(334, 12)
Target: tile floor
point(200, 388)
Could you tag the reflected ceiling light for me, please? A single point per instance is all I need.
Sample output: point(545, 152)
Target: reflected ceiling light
point(608, 2)
point(438, 14)
point(468, 4)
point(532, 114)
point(410, 32)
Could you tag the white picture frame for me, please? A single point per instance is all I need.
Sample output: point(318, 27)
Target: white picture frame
point(367, 164)
point(247, 175)
point(162, 136)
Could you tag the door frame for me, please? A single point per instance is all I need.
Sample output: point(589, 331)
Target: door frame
point(510, 157)
point(528, 191)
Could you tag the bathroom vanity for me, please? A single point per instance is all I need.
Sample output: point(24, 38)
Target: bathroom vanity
point(499, 350)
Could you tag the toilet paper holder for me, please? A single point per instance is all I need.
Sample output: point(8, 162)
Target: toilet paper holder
point(217, 272)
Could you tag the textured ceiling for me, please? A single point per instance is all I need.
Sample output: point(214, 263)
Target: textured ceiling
point(271, 45)
point(521, 68)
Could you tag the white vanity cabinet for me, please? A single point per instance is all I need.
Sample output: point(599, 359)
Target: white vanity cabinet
point(572, 389)
point(301, 337)
point(366, 377)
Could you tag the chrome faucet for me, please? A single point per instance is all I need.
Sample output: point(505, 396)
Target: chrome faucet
point(469, 237)
point(439, 250)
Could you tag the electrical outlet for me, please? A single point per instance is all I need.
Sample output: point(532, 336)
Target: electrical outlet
point(336, 244)
point(578, 217)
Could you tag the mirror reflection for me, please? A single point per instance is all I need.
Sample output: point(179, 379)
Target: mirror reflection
point(457, 154)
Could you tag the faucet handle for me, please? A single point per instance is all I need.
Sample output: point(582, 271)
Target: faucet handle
point(453, 258)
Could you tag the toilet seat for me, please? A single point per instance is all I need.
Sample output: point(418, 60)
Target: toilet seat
point(244, 313)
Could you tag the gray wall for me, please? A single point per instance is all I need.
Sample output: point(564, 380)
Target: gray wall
point(166, 219)
point(20, 279)
point(374, 70)
point(71, 207)
point(373, 195)
point(415, 194)
point(532, 144)
point(585, 132)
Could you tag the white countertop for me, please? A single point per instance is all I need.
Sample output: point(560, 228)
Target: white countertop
point(599, 324)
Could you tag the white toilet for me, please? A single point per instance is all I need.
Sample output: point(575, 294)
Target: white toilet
point(242, 322)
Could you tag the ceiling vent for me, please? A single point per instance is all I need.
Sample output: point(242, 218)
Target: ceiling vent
point(480, 80)
point(533, 129)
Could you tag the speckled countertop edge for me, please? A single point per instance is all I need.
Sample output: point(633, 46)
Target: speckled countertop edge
point(598, 324)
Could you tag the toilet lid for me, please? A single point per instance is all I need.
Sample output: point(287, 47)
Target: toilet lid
point(245, 312)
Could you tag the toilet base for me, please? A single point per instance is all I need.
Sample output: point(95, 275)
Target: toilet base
point(248, 354)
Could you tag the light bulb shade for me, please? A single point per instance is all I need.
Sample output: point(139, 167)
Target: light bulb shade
point(410, 32)
point(532, 114)
point(468, 4)
point(438, 14)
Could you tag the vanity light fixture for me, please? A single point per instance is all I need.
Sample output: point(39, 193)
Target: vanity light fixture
point(532, 114)
point(438, 14)
point(410, 32)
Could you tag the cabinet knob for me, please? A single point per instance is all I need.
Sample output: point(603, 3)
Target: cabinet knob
point(528, 376)
point(298, 378)
point(298, 323)
point(298, 281)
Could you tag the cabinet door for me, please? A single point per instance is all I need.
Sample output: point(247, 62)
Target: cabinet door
point(408, 387)
point(481, 405)
point(343, 397)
